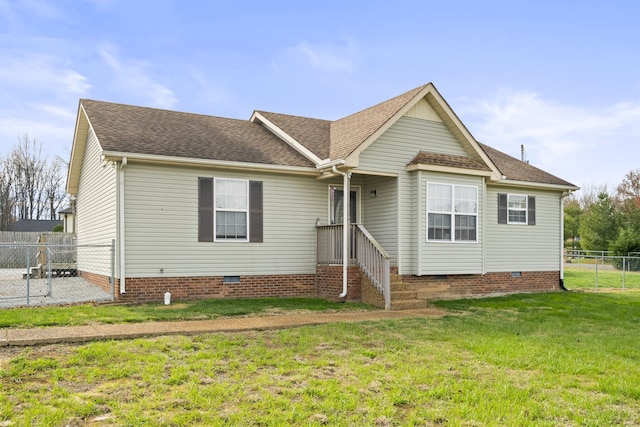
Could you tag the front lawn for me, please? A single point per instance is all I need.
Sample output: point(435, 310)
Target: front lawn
point(29, 317)
point(567, 359)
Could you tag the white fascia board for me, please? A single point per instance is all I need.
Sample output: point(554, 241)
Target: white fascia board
point(286, 137)
point(537, 185)
point(187, 161)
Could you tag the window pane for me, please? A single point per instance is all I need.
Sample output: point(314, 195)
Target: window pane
point(517, 216)
point(439, 227)
point(466, 200)
point(466, 228)
point(439, 198)
point(517, 202)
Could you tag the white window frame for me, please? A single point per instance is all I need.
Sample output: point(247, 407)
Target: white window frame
point(452, 212)
point(217, 209)
point(512, 209)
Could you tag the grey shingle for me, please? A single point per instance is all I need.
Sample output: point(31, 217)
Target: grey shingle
point(517, 170)
point(140, 130)
point(449, 160)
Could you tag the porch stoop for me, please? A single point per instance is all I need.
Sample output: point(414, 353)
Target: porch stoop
point(403, 297)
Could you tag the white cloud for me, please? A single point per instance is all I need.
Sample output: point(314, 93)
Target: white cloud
point(135, 75)
point(340, 58)
point(579, 143)
point(43, 73)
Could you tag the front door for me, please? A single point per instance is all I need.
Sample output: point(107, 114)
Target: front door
point(336, 204)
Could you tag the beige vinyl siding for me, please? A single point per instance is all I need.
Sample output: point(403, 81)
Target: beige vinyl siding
point(515, 247)
point(404, 139)
point(162, 230)
point(96, 208)
point(380, 213)
point(391, 153)
point(449, 257)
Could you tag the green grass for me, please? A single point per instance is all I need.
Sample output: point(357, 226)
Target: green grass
point(584, 278)
point(187, 310)
point(569, 359)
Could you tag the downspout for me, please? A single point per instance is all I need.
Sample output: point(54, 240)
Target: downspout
point(345, 229)
point(564, 194)
point(484, 226)
point(121, 221)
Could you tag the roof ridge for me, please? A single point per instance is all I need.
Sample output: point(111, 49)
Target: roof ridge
point(292, 115)
point(161, 109)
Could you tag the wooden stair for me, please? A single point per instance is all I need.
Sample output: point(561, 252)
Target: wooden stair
point(403, 297)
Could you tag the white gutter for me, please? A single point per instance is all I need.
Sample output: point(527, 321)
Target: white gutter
point(121, 220)
point(345, 229)
point(188, 161)
point(513, 183)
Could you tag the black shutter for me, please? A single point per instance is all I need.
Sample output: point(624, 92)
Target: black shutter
point(255, 211)
point(205, 209)
point(531, 210)
point(502, 208)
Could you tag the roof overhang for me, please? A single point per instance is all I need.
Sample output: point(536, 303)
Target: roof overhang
point(113, 156)
point(78, 147)
point(536, 185)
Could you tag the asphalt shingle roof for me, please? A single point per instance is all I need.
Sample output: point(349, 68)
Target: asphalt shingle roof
point(312, 133)
point(517, 170)
point(436, 159)
point(129, 129)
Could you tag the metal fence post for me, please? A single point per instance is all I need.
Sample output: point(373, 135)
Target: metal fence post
point(624, 270)
point(28, 274)
point(596, 273)
point(49, 275)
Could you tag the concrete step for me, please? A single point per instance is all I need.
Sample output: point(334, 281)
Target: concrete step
point(408, 294)
point(410, 304)
point(400, 286)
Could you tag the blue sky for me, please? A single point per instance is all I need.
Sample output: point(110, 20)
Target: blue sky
point(560, 77)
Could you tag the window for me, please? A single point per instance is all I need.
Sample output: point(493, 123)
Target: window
point(516, 209)
point(229, 210)
point(452, 212)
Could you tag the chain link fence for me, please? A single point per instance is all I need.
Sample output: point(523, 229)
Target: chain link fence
point(48, 272)
point(600, 270)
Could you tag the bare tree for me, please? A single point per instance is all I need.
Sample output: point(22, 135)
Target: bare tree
point(7, 200)
point(590, 194)
point(629, 188)
point(31, 186)
point(54, 187)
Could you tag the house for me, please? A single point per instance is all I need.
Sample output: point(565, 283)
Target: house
point(207, 207)
point(67, 219)
point(35, 225)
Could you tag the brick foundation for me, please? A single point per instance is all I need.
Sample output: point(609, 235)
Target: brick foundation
point(98, 280)
point(475, 285)
point(152, 289)
point(329, 282)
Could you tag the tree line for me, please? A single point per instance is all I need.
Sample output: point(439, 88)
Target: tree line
point(600, 220)
point(31, 184)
